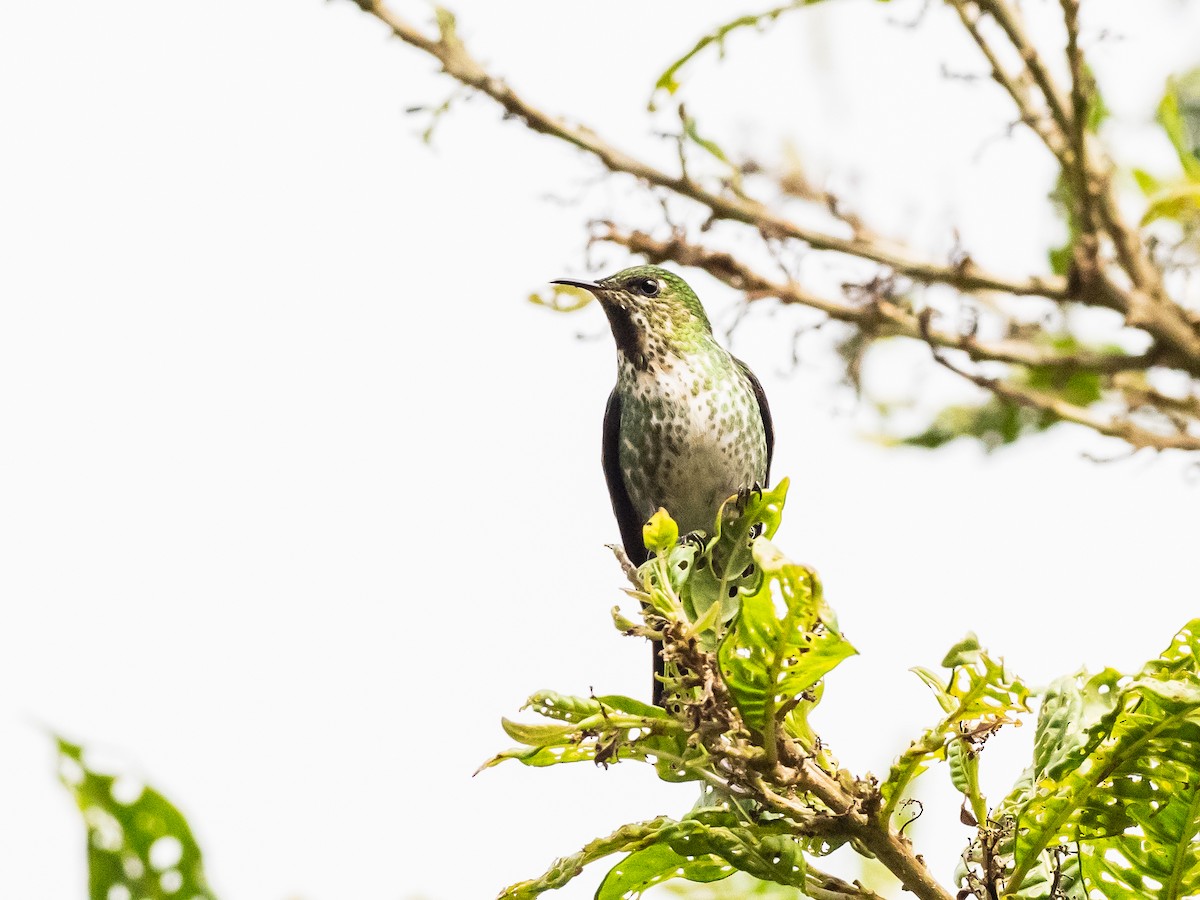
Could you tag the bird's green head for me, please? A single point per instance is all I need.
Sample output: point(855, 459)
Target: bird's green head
point(651, 311)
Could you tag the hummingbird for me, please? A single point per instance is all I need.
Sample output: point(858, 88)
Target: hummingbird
point(687, 425)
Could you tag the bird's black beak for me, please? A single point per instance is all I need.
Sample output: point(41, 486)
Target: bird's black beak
point(589, 286)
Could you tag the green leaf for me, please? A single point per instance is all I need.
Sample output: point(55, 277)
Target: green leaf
point(959, 761)
point(1179, 116)
point(978, 695)
point(561, 298)
point(1079, 387)
point(653, 865)
point(563, 707)
point(536, 735)
point(704, 847)
point(1069, 709)
point(602, 730)
point(1060, 259)
point(669, 82)
point(784, 640)
point(1148, 184)
point(778, 858)
point(692, 132)
point(995, 423)
point(1178, 202)
point(660, 533)
point(632, 707)
point(137, 840)
point(562, 870)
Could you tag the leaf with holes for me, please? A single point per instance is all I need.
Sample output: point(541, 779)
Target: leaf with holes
point(707, 846)
point(723, 570)
point(978, 695)
point(703, 847)
point(601, 730)
point(138, 842)
point(627, 838)
point(660, 533)
point(643, 869)
point(1117, 773)
point(783, 642)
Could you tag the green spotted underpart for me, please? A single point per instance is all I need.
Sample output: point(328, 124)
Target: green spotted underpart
point(691, 433)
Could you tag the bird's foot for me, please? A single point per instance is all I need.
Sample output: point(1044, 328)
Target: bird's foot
point(743, 500)
point(745, 493)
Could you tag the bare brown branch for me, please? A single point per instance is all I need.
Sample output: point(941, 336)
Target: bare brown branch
point(1018, 85)
point(1081, 111)
point(1112, 267)
point(459, 64)
point(881, 317)
point(822, 886)
point(1113, 426)
point(1009, 20)
point(1062, 126)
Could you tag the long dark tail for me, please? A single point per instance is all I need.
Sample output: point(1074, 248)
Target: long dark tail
point(638, 554)
point(660, 669)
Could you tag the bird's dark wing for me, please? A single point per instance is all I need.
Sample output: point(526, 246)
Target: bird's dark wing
point(764, 408)
point(628, 520)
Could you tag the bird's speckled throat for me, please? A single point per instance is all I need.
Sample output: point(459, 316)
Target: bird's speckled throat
point(654, 316)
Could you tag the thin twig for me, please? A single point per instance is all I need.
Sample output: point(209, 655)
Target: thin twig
point(1014, 28)
point(1137, 292)
point(823, 886)
point(882, 317)
point(1081, 111)
point(1145, 303)
point(458, 63)
point(1018, 86)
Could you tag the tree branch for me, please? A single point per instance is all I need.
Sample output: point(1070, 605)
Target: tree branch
point(458, 63)
point(1014, 29)
point(823, 886)
point(1061, 121)
point(1017, 86)
point(1081, 112)
point(1115, 426)
point(1145, 304)
point(854, 817)
point(881, 317)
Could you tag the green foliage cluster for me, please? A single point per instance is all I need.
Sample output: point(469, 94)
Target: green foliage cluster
point(1108, 807)
point(978, 696)
point(1114, 786)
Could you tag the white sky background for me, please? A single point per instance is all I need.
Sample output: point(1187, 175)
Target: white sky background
point(299, 494)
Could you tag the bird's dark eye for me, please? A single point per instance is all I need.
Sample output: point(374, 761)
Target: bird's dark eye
point(649, 287)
